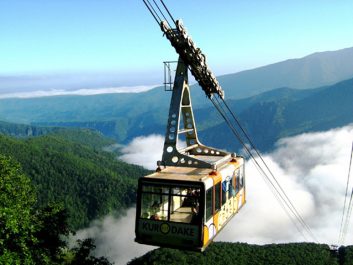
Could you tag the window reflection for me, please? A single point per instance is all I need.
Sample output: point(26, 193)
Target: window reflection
point(176, 204)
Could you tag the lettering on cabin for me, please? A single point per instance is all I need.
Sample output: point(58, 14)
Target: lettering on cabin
point(185, 231)
point(152, 227)
point(166, 228)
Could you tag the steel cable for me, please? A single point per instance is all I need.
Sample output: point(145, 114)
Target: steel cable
point(268, 169)
point(273, 188)
point(344, 224)
point(152, 11)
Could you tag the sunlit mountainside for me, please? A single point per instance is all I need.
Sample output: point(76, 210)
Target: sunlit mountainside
point(315, 70)
point(70, 167)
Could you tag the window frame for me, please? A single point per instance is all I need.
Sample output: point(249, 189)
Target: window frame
point(209, 214)
point(217, 202)
point(166, 190)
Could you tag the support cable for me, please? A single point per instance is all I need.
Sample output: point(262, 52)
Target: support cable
point(343, 228)
point(153, 12)
point(277, 196)
point(162, 13)
point(262, 172)
point(268, 169)
point(347, 221)
point(168, 12)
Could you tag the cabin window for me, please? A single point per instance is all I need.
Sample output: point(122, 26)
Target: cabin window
point(217, 201)
point(185, 205)
point(241, 177)
point(176, 204)
point(209, 203)
point(232, 186)
point(237, 180)
point(154, 202)
point(225, 185)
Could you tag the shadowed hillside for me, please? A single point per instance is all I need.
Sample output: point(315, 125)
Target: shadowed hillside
point(245, 254)
point(291, 112)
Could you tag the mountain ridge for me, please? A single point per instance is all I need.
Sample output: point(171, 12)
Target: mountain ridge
point(268, 121)
point(144, 117)
point(311, 71)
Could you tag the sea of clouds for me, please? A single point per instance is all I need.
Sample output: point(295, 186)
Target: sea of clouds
point(311, 167)
point(81, 92)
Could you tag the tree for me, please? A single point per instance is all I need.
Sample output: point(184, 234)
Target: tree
point(83, 257)
point(34, 236)
point(53, 227)
point(16, 217)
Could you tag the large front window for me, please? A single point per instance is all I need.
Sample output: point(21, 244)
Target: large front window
point(170, 203)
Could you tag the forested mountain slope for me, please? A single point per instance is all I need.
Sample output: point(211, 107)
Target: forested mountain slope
point(292, 112)
point(269, 116)
point(90, 183)
point(245, 254)
point(23, 130)
point(84, 136)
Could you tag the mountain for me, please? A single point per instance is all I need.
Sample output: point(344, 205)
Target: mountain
point(115, 115)
point(125, 116)
point(23, 130)
point(286, 112)
point(268, 116)
point(90, 183)
point(245, 254)
point(84, 136)
point(315, 70)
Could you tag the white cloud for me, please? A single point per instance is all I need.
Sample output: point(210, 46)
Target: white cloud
point(114, 238)
point(81, 92)
point(312, 168)
point(144, 151)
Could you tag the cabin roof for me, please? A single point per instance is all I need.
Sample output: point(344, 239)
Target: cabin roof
point(185, 173)
point(181, 173)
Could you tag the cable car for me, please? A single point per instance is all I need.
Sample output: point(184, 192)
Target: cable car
point(187, 207)
point(195, 190)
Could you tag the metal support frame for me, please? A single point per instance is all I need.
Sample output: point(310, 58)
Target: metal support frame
point(168, 81)
point(181, 121)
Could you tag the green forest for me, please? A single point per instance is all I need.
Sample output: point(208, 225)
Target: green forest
point(246, 254)
point(89, 182)
point(35, 235)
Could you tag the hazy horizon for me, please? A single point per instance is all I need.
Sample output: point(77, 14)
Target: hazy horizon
point(43, 85)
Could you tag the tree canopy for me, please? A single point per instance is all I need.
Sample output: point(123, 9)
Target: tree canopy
point(246, 254)
point(29, 235)
point(89, 182)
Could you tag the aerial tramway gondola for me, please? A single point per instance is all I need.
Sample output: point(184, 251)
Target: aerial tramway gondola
point(197, 189)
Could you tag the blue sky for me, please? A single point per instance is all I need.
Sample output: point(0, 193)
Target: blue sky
point(119, 36)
